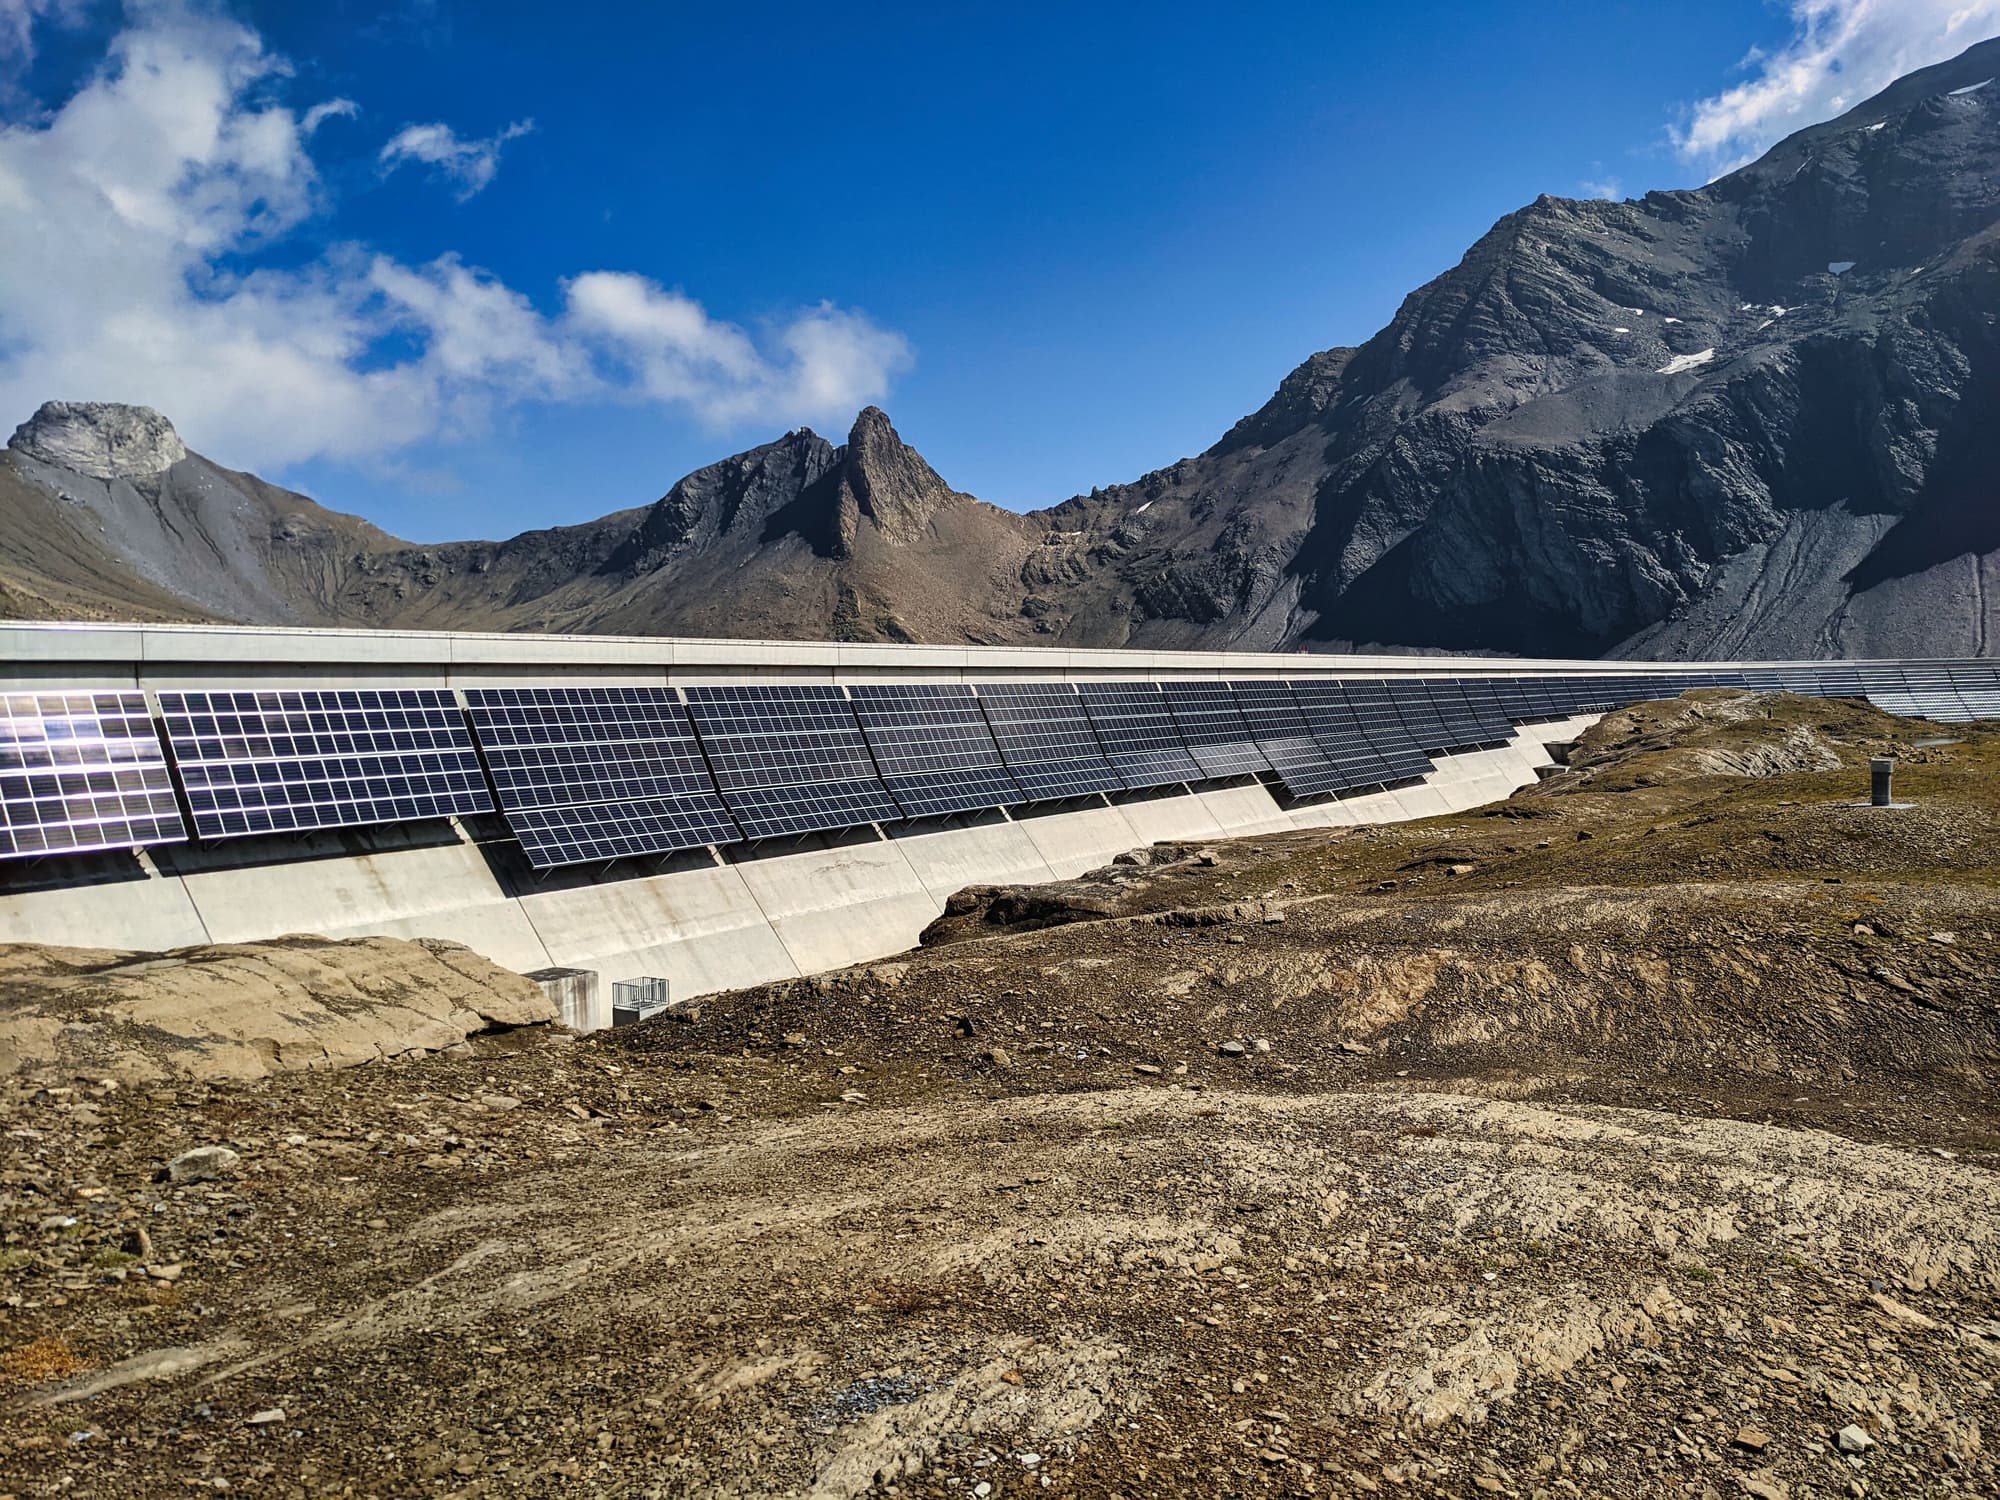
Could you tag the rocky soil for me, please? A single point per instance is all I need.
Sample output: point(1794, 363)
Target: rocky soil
point(1634, 1137)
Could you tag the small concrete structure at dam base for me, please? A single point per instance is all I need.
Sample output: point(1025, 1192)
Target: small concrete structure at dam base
point(705, 919)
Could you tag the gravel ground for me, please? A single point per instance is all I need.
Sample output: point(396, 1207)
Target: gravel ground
point(1459, 1158)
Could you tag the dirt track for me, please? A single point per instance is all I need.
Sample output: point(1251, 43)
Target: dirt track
point(1016, 1213)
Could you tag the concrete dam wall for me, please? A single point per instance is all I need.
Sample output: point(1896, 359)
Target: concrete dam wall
point(823, 844)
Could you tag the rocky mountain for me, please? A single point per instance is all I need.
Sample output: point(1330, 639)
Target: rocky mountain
point(1744, 420)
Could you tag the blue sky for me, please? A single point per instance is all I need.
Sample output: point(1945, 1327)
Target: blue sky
point(473, 268)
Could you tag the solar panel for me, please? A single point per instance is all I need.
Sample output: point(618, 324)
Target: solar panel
point(1047, 740)
point(1138, 733)
point(1274, 719)
point(1382, 724)
point(1522, 698)
point(1934, 694)
point(1487, 709)
point(939, 792)
point(789, 758)
point(1461, 721)
point(934, 747)
point(1330, 716)
point(82, 771)
point(555, 746)
point(586, 833)
point(1888, 679)
point(1978, 688)
point(1212, 728)
point(594, 773)
point(287, 761)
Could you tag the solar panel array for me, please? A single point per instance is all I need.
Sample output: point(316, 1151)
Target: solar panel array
point(82, 771)
point(1140, 738)
point(934, 747)
point(789, 758)
point(594, 773)
point(289, 761)
point(1047, 740)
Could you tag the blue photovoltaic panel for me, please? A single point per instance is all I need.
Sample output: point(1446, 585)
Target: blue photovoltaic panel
point(1468, 729)
point(1047, 740)
point(1421, 719)
point(1494, 720)
point(552, 746)
point(934, 747)
point(766, 812)
point(595, 773)
point(1933, 694)
point(1381, 721)
point(789, 758)
point(1139, 735)
point(286, 761)
point(935, 793)
point(1273, 716)
point(1212, 727)
point(585, 833)
point(82, 771)
point(1330, 717)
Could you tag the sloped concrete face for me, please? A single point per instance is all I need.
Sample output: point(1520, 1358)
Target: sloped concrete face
point(949, 859)
point(1243, 810)
point(147, 914)
point(1343, 812)
point(841, 905)
point(1182, 816)
point(1073, 841)
point(699, 928)
point(443, 891)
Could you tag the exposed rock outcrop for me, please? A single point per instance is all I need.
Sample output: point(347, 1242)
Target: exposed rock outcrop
point(101, 439)
point(247, 1010)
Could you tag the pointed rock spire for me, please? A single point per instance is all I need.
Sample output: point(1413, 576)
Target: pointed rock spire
point(886, 482)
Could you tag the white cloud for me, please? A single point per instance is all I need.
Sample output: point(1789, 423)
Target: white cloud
point(135, 268)
point(673, 352)
point(1840, 52)
point(1607, 188)
point(470, 164)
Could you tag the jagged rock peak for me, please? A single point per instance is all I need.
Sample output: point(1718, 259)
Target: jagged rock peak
point(887, 481)
point(103, 439)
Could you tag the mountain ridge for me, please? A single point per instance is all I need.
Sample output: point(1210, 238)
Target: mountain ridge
point(1740, 420)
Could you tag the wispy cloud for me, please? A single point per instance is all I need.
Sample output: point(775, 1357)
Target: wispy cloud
point(1602, 187)
point(18, 20)
point(1839, 53)
point(471, 164)
point(149, 206)
point(670, 350)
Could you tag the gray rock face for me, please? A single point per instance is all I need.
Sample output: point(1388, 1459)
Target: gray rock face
point(1752, 419)
point(101, 439)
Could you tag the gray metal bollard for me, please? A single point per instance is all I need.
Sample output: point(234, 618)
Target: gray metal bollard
point(1880, 773)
